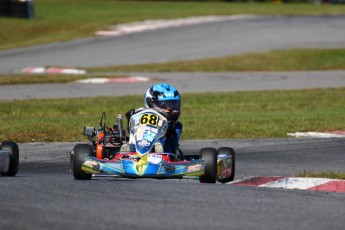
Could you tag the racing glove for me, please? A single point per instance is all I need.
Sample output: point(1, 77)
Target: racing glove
point(171, 129)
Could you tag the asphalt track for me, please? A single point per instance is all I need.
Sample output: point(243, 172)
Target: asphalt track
point(45, 196)
point(185, 82)
point(182, 43)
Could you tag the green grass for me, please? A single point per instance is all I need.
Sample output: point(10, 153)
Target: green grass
point(278, 60)
point(61, 20)
point(259, 114)
point(329, 175)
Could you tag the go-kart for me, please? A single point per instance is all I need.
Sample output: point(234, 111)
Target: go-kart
point(140, 156)
point(9, 158)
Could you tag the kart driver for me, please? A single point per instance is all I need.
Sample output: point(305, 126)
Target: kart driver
point(165, 99)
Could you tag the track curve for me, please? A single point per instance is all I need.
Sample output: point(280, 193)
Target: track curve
point(207, 40)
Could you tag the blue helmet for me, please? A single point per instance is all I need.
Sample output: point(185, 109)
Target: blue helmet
point(165, 99)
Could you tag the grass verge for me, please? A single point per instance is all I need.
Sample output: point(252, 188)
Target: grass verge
point(278, 60)
point(258, 114)
point(329, 175)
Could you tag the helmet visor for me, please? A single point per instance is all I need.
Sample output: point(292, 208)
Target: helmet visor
point(167, 105)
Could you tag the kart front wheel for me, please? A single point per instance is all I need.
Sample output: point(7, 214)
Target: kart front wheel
point(210, 157)
point(76, 161)
point(13, 149)
point(228, 152)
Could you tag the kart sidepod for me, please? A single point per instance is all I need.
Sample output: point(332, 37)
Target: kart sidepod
point(212, 166)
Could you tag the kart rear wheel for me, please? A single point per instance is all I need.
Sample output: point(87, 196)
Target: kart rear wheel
point(76, 161)
point(229, 152)
point(13, 149)
point(210, 157)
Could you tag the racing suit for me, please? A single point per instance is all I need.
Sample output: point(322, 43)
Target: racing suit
point(172, 137)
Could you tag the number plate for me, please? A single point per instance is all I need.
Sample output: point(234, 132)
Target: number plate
point(149, 119)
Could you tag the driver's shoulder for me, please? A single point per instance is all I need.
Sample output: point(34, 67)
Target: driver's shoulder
point(137, 110)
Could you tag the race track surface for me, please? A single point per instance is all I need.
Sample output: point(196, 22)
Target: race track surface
point(182, 43)
point(44, 194)
point(185, 82)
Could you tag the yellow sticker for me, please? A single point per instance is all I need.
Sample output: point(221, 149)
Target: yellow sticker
point(149, 119)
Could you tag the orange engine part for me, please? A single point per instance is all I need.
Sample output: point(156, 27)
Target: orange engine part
point(99, 148)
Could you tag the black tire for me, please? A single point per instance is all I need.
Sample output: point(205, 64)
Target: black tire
point(13, 149)
point(210, 157)
point(229, 152)
point(76, 161)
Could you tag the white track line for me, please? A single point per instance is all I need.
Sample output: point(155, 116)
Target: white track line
point(317, 134)
point(136, 27)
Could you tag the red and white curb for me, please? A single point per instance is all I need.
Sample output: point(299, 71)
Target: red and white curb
point(339, 133)
point(113, 80)
point(301, 183)
point(51, 70)
point(59, 70)
point(137, 27)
